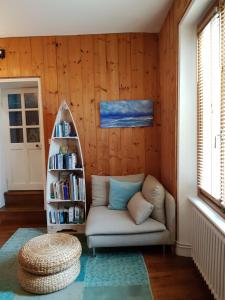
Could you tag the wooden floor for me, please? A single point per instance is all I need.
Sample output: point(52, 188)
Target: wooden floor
point(174, 277)
point(171, 277)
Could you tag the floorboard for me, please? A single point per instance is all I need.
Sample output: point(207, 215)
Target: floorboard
point(172, 277)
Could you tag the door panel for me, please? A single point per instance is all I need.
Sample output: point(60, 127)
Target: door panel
point(35, 172)
point(18, 168)
point(25, 166)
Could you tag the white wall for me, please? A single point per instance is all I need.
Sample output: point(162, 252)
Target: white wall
point(187, 122)
point(186, 135)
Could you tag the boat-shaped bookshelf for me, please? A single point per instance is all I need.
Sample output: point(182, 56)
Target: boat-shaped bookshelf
point(65, 190)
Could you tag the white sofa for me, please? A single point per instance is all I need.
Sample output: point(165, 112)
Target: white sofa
point(115, 228)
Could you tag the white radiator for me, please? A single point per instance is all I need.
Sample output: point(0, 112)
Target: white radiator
point(208, 252)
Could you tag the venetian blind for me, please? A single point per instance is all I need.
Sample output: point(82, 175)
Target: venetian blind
point(211, 107)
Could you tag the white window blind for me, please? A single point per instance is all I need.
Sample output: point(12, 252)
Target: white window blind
point(211, 108)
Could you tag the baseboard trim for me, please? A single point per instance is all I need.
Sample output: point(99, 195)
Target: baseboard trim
point(183, 249)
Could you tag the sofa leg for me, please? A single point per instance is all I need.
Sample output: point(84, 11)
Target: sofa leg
point(164, 250)
point(93, 252)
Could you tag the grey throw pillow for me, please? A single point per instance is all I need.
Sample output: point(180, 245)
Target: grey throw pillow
point(154, 192)
point(139, 208)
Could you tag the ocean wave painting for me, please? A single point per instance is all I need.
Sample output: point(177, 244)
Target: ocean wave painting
point(126, 113)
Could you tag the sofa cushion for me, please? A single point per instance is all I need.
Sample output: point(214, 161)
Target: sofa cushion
point(102, 220)
point(126, 240)
point(120, 192)
point(154, 192)
point(139, 208)
point(100, 187)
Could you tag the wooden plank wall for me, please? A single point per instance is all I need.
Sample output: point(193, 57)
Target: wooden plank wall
point(168, 56)
point(84, 70)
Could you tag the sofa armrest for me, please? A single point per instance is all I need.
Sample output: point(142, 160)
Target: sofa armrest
point(170, 207)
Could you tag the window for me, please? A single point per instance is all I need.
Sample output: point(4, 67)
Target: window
point(211, 108)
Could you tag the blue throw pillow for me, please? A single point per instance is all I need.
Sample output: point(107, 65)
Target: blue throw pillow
point(120, 192)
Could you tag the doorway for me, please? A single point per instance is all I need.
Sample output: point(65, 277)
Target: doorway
point(21, 136)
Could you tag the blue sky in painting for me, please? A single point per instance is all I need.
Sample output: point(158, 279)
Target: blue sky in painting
point(126, 113)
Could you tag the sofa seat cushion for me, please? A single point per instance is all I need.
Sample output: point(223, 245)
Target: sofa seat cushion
point(102, 220)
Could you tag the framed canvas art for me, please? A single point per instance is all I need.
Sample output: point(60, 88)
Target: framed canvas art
point(126, 113)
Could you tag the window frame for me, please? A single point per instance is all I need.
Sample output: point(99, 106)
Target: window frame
point(213, 202)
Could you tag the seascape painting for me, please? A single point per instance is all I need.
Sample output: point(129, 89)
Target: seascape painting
point(126, 113)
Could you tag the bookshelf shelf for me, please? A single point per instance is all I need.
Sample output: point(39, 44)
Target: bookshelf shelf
point(78, 228)
point(64, 200)
point(69, 170)
point(65, 138)
point(65, 176)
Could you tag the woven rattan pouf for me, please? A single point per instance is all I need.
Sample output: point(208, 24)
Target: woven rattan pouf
point(49, 263)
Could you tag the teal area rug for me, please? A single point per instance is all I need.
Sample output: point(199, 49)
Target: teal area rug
point(108, 276)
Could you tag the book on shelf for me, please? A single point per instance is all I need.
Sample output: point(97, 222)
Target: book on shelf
point(64, 129)
point(71, 215)
point(81, 188)
point(63, 161)
point(68, 187)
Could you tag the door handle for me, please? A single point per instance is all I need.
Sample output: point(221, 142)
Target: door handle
point(38, 146)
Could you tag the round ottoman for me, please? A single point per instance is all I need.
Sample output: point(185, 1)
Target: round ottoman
point(48, 284)
point(49, 262)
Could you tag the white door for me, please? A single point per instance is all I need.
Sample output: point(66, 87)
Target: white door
point(23, 139)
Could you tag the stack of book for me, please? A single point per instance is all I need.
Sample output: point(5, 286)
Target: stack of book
point(69, 187)
point(63, 161)
point(77, 188)
point(60, 190)
point(71, 215)
point(64, 129)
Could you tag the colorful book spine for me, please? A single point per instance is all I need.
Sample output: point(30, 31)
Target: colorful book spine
point(71, 186)
point(65, 191)
point(71, 215)
point(68, 187)
point(63, 161)
point(75, 192)
point(58, 130)
point(64, 129)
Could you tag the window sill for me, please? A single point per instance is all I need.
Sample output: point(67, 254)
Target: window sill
point(209, 213)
